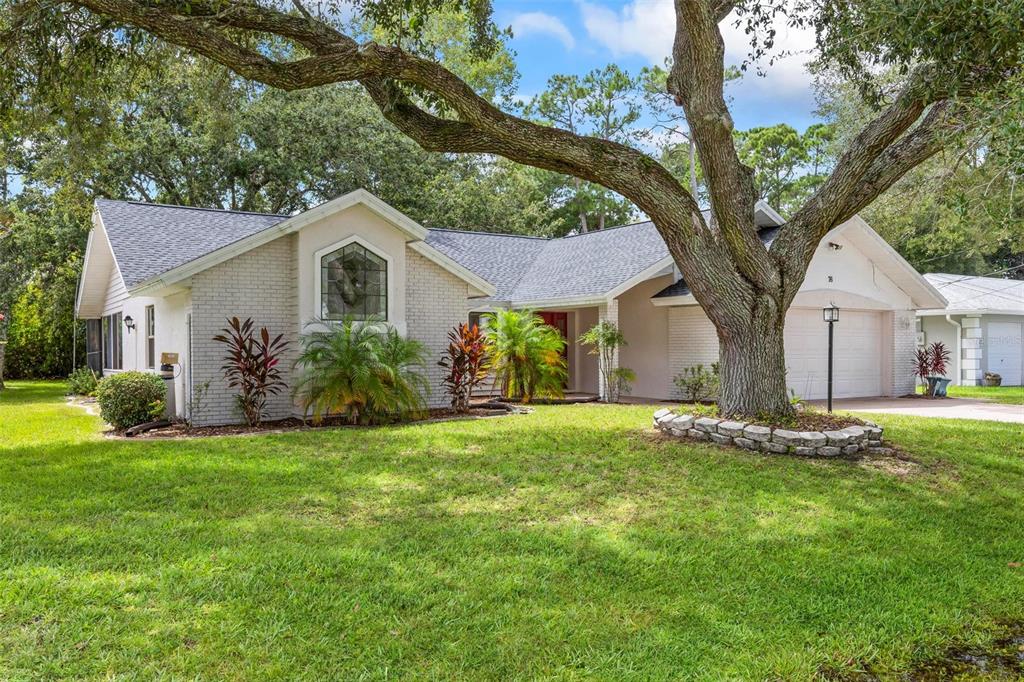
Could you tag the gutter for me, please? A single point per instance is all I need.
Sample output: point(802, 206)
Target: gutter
point(959, 351)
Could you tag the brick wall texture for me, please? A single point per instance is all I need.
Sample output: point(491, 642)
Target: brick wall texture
point(904, 344)
point(259, 284)
point(262, 284)
point(692, 340)
point(436, 302)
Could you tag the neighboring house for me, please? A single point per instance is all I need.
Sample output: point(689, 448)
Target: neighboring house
point(179, 272)
point(981, 326)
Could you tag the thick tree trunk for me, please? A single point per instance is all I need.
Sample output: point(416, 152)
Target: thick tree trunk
point(753, 368)
point(3, 349)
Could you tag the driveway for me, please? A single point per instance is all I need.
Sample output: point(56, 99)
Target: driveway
point(949, 408)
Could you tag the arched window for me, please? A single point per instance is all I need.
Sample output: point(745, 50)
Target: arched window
point(353, 281)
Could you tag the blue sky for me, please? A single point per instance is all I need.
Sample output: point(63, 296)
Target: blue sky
point(575, 36)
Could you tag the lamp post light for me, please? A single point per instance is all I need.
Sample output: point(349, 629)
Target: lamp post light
point(129, 323)
point(831, 315)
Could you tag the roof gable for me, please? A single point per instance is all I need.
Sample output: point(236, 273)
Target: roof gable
point(151, 239)
point(157, 245)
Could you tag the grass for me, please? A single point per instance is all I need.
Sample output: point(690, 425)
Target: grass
point(1008, 395)
point(570, 543)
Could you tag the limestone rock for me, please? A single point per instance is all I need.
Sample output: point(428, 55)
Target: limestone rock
point(837, 438)
point(682, 422)
point(787, 438)
point(729, 428)
point(777, 448)
point(855, 433)
point(745, 443)
point(804, 451)
point(851, 449)
point(697, 435)
point(829, 451)
point(813, 439)
point(721, 439)
point(758, 433)
point(707, 424)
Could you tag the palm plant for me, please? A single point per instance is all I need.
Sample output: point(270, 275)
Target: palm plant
point(526, 355)
point(362, 369)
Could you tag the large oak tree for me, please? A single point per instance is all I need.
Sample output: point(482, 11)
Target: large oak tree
point(948, 51)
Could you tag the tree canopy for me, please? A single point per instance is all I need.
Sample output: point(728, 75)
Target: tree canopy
point(921, 66)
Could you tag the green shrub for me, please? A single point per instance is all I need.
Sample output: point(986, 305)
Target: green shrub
point(83, 381)
point(526, 355)
point(362, 369)
point(697, 383)
point(128, 399)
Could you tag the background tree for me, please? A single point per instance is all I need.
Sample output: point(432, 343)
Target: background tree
point(961, 211)
point(167, 126)
point(948, 54)
point(606, 104)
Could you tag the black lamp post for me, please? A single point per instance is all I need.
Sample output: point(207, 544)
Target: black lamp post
point(129, 323)
point(831, 314)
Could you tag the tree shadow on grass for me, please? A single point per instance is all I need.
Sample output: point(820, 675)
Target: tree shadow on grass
point(494, 549)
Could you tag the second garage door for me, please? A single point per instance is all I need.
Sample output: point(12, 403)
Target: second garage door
point(857, 369)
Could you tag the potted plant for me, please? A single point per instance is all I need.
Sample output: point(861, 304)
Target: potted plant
point(993, 379)
point(930, 364)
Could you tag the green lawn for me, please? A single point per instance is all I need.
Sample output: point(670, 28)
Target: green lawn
point(1010, 395)
point(570, 543)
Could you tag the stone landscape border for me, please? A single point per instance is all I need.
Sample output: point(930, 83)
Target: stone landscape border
point(847, 441)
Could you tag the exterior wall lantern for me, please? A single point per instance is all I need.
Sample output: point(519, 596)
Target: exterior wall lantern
point(831, 315)
point(129, 323)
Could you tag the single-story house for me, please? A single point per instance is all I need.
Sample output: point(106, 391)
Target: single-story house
point(981, 326)
point(178, 273)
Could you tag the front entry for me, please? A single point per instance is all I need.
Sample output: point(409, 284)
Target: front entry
point(559, 321)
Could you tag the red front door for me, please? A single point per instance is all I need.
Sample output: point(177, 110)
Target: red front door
point(559, 321)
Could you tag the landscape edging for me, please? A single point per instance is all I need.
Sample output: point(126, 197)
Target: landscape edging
point(777, 440)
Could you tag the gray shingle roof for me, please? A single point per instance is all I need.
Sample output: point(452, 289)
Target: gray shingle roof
point(150, 239)
point(500, 259)
point(979, 293)
point(525, 269)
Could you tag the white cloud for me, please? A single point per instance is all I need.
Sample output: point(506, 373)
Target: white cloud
point(647, 28)
point(541, 23)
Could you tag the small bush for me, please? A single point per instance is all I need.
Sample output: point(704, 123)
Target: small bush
point(128, 399)
point(252, 365)
point(698, 383)
point(464, 360)
point(362, 369)
point(83, 381)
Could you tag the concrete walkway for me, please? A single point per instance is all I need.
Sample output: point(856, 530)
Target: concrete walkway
point(949, 408)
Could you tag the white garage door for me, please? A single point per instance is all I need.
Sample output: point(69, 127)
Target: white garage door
point(857, 358)
point(1004, 345)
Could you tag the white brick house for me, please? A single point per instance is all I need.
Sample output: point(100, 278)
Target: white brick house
point(178, 273)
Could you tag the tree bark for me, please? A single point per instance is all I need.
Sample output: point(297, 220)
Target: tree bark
point(752, 366)
point(3, 350)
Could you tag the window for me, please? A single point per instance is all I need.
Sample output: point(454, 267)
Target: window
point(150, 337)
point(112, 341)
point(94, 345)
point(353, 281)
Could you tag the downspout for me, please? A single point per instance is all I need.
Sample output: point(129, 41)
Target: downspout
point(959, 353)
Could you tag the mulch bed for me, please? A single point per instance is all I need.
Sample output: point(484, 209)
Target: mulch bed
point(180, 430)
point(815, 421)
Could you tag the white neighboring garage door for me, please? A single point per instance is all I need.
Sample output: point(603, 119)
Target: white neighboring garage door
point(1004, 345)
point(857, 358)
